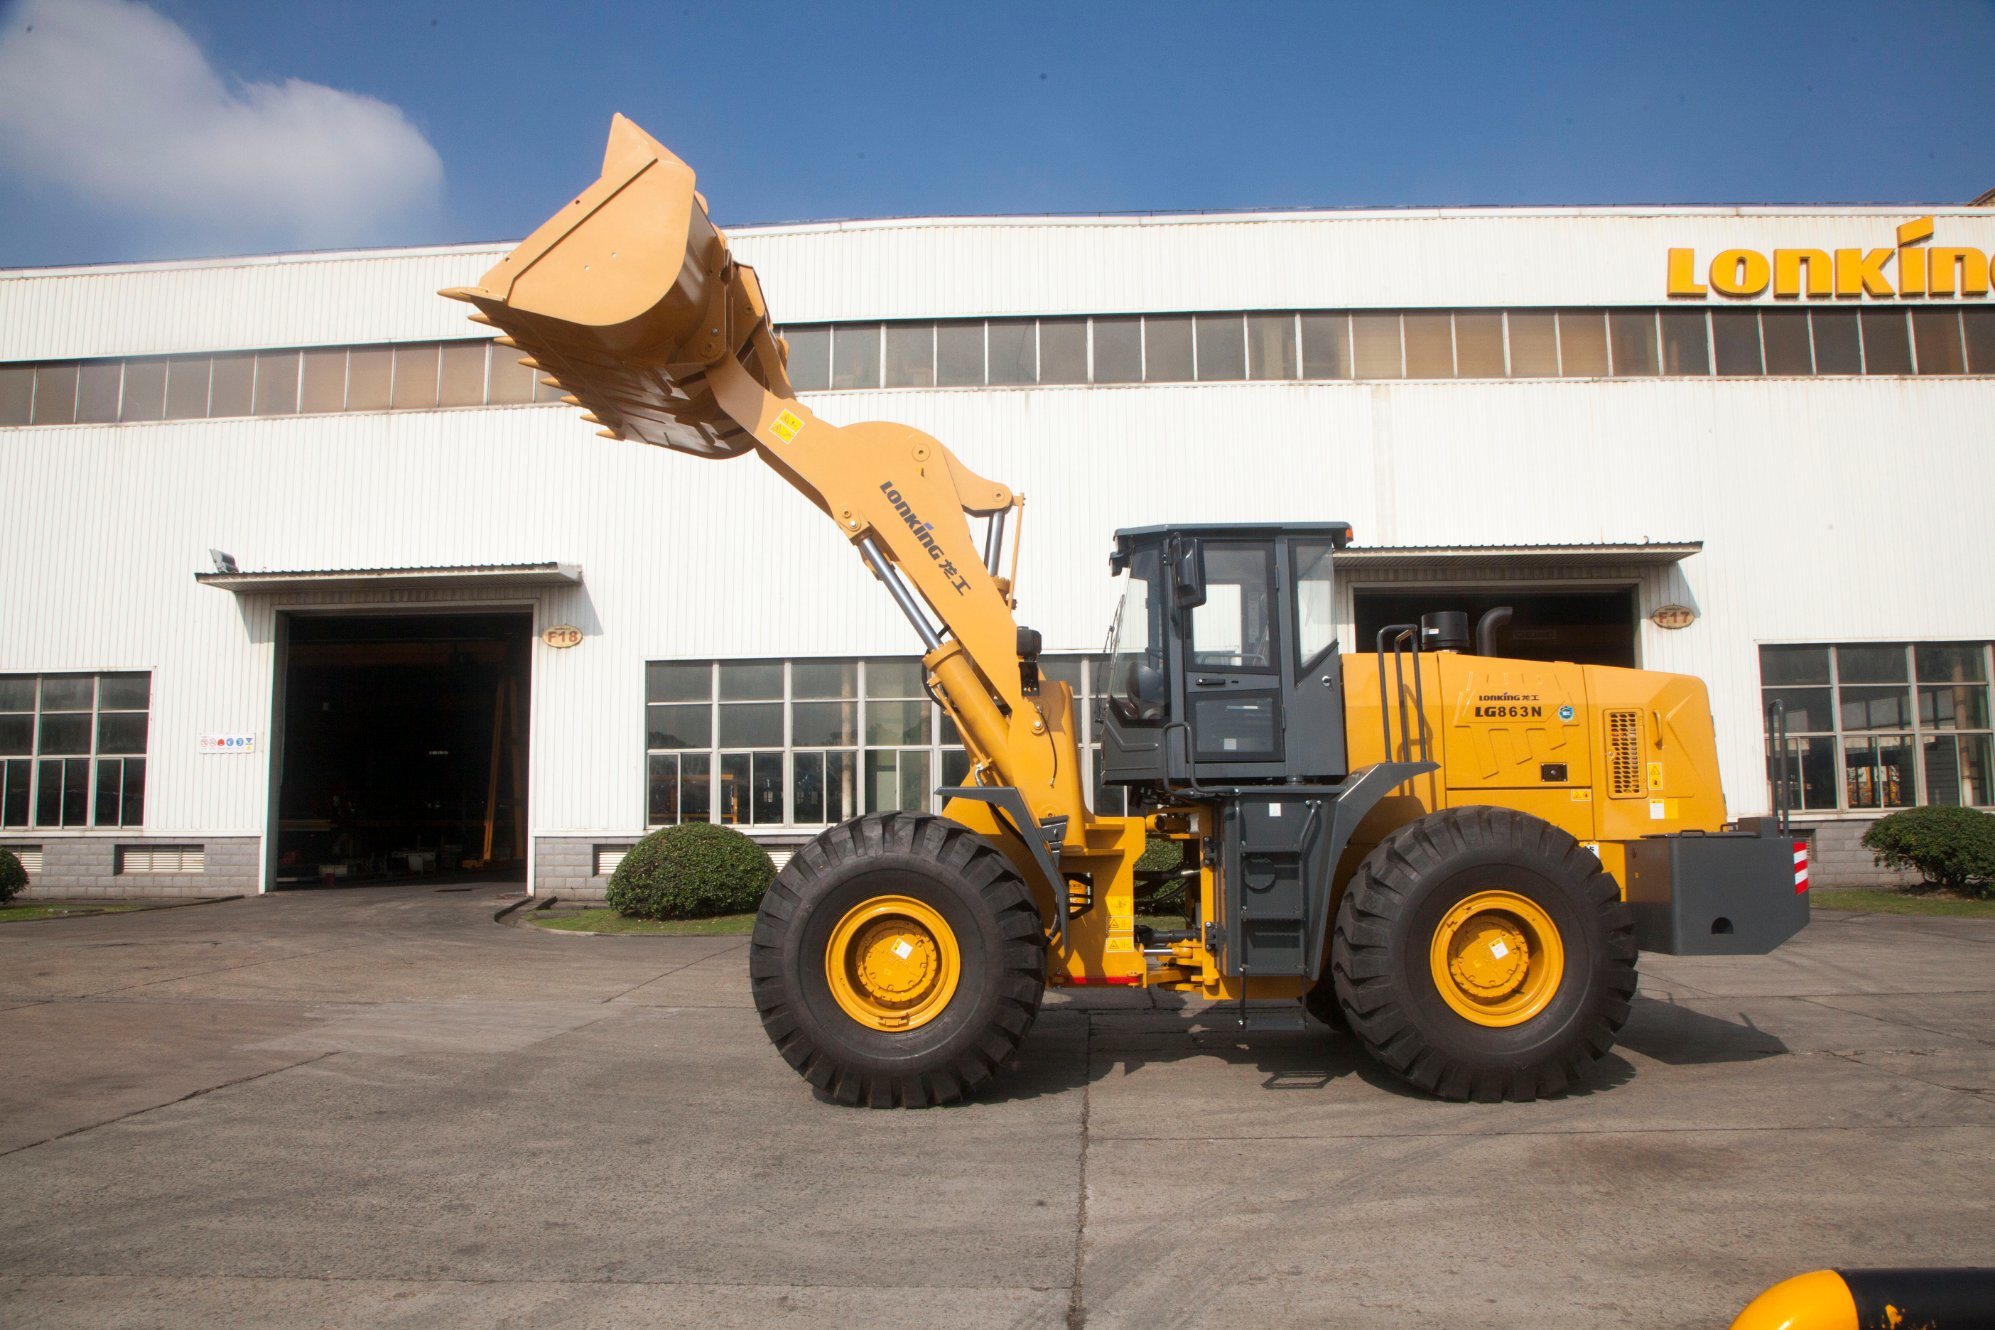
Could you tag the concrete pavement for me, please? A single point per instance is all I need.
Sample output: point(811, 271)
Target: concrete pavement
point(378, 1107)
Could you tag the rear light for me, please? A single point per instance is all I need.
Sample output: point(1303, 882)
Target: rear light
point(1800, 866)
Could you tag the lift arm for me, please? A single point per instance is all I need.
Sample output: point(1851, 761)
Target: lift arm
point(629, 300)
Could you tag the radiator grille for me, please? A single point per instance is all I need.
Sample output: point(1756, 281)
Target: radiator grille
point(1624, 754)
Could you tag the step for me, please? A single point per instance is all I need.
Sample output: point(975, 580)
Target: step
point(1288, 1018)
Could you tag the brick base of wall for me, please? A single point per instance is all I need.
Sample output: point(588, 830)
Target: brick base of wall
point(1836, 858)
point(86, 868)
point(565, 866)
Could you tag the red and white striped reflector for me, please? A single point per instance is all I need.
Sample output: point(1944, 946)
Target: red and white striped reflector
point(1800, 866)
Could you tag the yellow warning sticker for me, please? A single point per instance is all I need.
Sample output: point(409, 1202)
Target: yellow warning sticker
point(786, 425)
point(1582, 796)
point(1121, 932)
point(1655, 775)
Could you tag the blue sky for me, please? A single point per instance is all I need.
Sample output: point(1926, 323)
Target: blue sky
point(272, 126)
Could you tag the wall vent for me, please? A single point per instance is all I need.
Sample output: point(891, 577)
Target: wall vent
point(161, 859)
point(30, 857)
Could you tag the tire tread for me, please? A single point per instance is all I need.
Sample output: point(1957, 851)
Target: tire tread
point(1018, 985)
point(1367, 977)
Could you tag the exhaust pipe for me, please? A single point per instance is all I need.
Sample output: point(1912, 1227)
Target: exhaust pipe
point(1485, 629)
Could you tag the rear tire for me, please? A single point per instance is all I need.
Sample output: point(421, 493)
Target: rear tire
point(1481, 953)
point(897, 961)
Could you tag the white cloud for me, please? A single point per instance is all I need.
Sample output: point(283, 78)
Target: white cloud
point(115, 104)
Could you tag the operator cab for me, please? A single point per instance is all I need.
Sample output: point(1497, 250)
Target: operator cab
point(1223, 665)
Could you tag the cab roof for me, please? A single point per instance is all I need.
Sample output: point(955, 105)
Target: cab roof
point(1338, 533)
point(1131, 538)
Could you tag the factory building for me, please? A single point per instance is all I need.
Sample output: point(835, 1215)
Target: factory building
point(309, 584)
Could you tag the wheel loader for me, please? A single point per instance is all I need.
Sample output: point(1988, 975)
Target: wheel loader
point(1453, 856)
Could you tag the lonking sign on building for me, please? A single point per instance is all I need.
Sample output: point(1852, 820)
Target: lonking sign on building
point(1921, 270)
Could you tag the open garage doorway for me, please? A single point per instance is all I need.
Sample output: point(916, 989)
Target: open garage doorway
point(1592, 627)
point(403, 747)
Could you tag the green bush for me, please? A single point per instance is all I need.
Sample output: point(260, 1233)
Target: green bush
point(1953, 847)
point(1160, 855)
point(694, 871)
point(1160, 895)
point(12, 876)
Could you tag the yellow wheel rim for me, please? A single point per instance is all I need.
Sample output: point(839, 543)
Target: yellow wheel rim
point(1497, 958)
point(892, 963)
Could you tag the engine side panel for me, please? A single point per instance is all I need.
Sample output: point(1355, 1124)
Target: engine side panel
point(1608, 755)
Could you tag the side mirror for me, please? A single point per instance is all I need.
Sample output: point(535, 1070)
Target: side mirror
point(1187, 559)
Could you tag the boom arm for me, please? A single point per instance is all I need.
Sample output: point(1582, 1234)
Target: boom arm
point(629, 299)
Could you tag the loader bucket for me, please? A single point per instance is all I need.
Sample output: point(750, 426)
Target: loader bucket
point(628, 295)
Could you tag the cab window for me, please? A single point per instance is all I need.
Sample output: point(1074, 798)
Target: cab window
point(1233, 629)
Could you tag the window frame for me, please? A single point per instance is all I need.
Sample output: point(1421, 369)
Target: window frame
point(1915, 731)
point(939, 747)
point(1336, 363)
point(31, 766)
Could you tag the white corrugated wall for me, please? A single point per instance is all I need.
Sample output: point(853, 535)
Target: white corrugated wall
point(1830, 510)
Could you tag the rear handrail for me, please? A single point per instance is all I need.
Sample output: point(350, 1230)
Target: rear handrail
point(1405, 639)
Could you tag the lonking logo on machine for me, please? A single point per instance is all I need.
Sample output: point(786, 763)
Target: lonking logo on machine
point(925, 533)
point(1508, 706)
point(1920, 270)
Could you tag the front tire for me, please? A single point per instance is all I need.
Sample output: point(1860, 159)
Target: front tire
point(897, 961)
point(1481, 953)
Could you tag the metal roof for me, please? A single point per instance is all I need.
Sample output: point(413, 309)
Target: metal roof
point(397, 579)
point(1519, 556)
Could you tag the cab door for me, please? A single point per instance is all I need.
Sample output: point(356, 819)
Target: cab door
point(1313, 732)
point(1232, 663)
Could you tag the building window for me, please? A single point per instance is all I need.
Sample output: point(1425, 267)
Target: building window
point(1877, 726)
point(1276, 346)
point(72, 749)
point(806, 744)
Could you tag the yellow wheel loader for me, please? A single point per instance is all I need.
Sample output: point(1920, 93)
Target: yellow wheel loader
point(1453, 856)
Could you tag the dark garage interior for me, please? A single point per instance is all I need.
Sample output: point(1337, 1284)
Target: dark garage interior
point(1584, 627)
point(403, 747)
